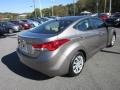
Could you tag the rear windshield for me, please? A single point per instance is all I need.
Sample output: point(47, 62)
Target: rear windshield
point(52, 27)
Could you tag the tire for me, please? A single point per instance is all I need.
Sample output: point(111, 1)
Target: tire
point(11, 31)
point(77, 64)
point(112, 43)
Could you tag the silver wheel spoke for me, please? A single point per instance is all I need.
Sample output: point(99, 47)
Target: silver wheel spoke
point(113, 40)
point(78, 64)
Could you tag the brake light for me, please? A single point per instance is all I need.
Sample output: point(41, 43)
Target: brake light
point(26, 25)
point(51, 46)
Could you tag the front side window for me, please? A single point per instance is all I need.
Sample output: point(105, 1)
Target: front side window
point(97, 23)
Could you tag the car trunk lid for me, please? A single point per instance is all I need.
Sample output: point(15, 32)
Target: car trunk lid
point(27, 38)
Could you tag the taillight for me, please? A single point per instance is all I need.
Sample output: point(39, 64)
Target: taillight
point(51, 46)
point(26, 25)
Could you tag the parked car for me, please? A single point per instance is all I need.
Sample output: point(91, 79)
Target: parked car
point(85, 13)
point(35, 19)
point(2, 30)
point(22, 25)
point(19, 23)
point(114, 20)
point(103, 16)
point(39, 20)
point(63, 46)
point(53, 17)
point(31, 22)
point(10, 27)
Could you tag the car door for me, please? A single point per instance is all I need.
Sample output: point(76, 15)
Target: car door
point(99, 25)
point(87, 36)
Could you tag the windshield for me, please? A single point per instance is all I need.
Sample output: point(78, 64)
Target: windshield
point(52, 27)
point(14, 22)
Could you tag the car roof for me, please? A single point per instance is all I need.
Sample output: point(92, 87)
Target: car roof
point(73, 18)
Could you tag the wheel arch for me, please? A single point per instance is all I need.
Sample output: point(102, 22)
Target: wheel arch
point(114, 33)
point(84, 53)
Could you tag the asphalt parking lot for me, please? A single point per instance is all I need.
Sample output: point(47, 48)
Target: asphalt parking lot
point(101, 72)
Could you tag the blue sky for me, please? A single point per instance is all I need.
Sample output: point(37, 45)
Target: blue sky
point(21, 6)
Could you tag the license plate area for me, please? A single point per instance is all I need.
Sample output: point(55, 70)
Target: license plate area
point(24, 47)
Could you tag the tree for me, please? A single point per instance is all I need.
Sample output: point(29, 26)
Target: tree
point(60, 10)
point(81, 5)
point(47, 12)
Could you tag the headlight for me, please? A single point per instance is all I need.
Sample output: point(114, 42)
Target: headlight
point(118, 19)
point(15, 27)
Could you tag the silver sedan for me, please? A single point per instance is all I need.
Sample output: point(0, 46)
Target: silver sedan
point(62, 46)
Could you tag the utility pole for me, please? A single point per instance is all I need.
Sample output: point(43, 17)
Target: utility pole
point(110, 8)
point(52, 10)
point(74, 6)
point(52, 7)
point(34, 8)
point(97, 6)
point(40, 8)
point(105, 6)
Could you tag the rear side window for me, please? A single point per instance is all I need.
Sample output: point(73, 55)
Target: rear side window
point(52, 27)
point(83, 25)
point(97, 23)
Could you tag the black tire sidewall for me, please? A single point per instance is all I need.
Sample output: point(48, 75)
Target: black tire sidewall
point(11, 31)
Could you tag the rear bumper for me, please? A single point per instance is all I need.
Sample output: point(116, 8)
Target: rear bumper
point(47, 64)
